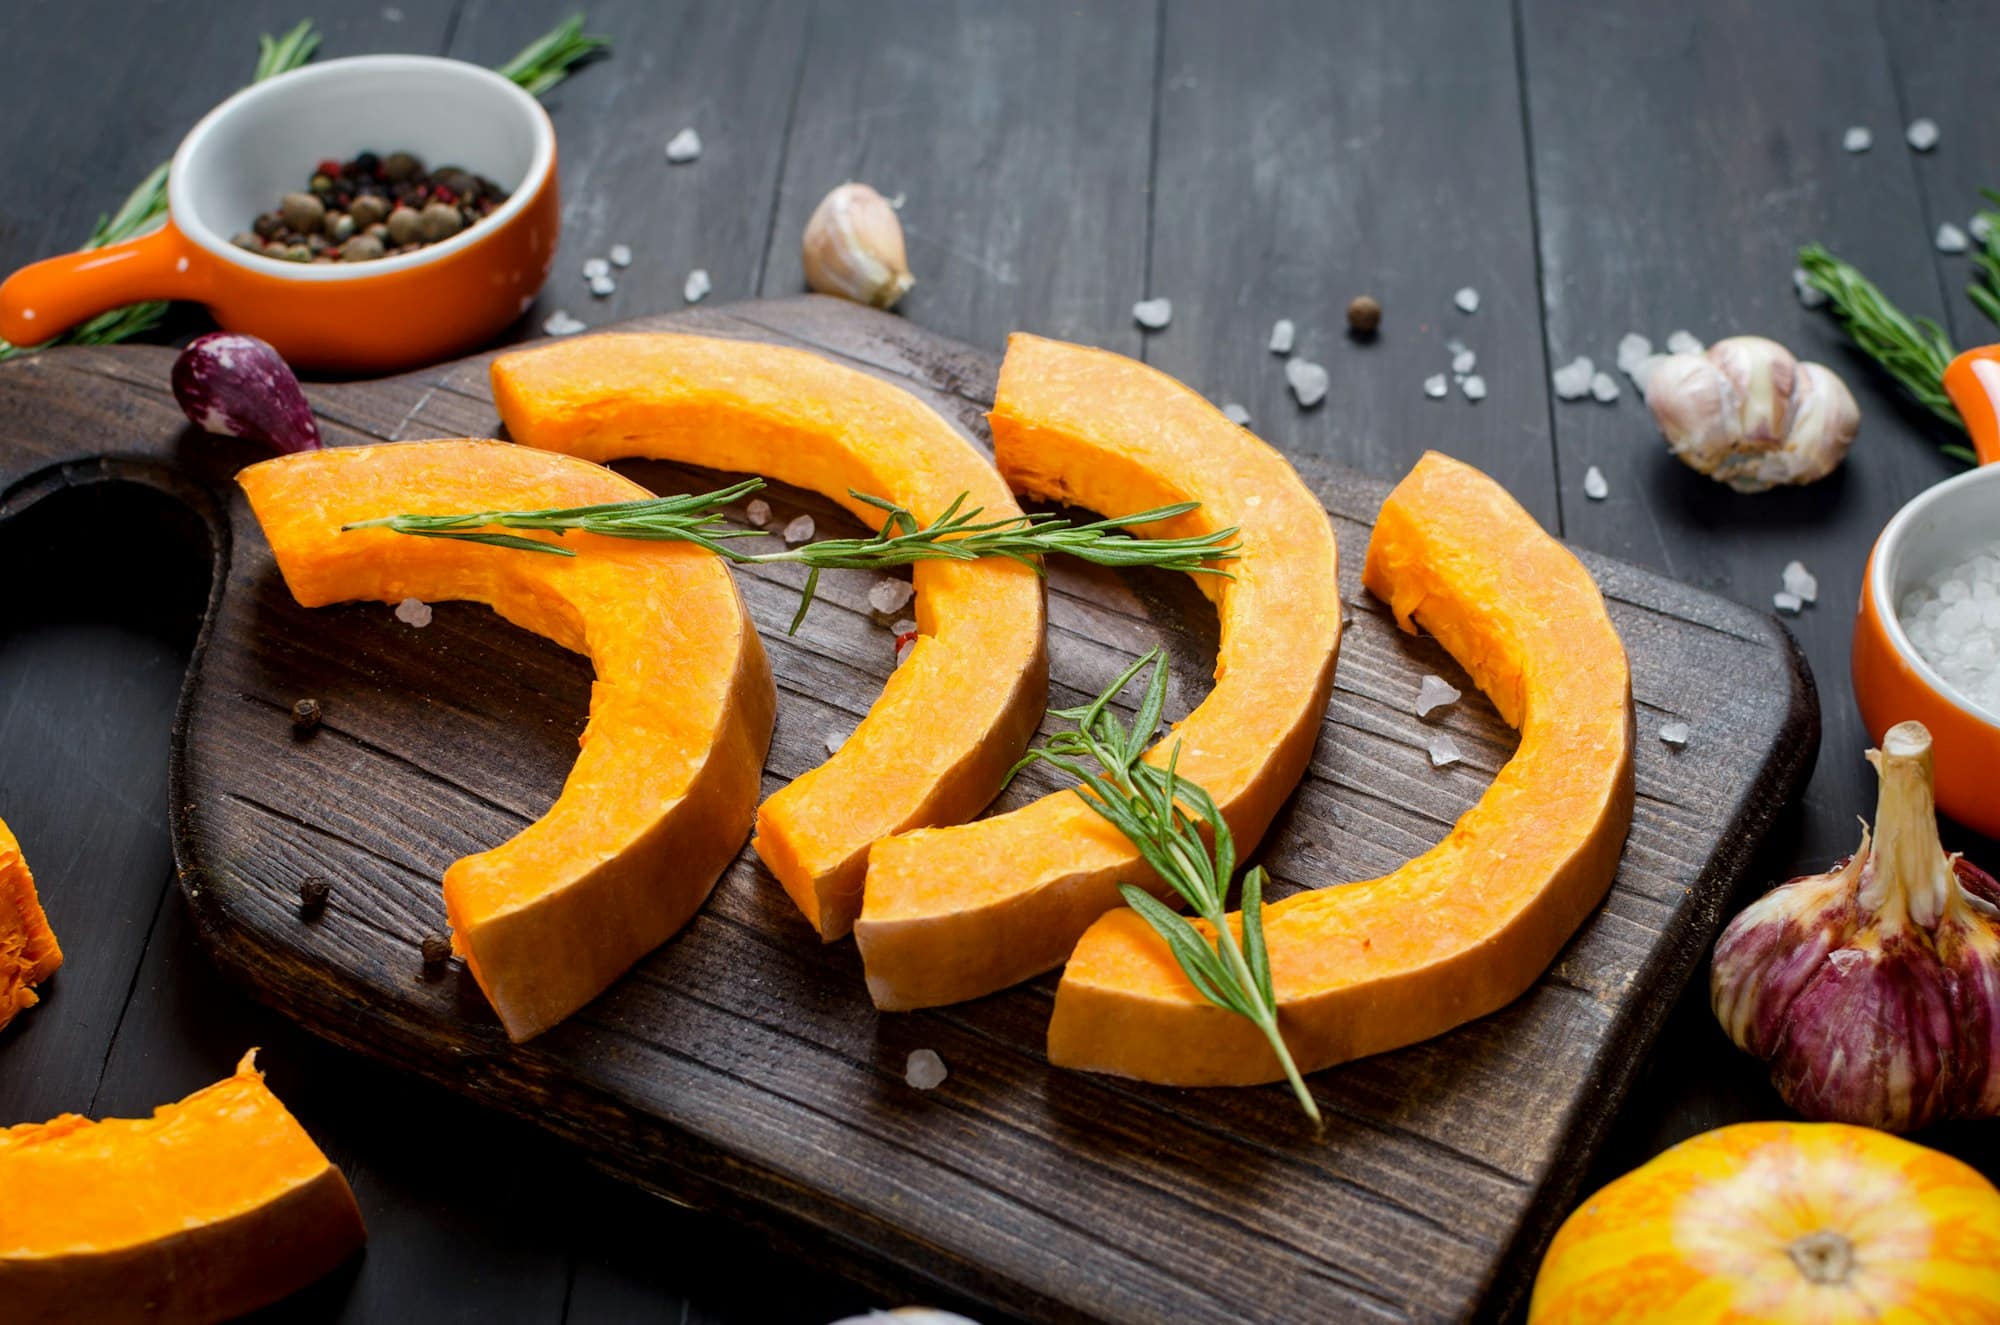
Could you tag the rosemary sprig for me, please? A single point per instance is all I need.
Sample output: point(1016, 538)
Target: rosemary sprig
point(957, 535)
point(1164, 815)
point(1985, 292)
point(1913, 350)
point(548, 60)
point(281, 55)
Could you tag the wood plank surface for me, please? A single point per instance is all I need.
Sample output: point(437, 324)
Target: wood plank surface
point(742, 1067)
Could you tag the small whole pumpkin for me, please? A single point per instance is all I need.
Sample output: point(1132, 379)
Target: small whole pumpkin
point(1790, 1223)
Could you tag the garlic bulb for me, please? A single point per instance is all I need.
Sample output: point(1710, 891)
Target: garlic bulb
point(854, 248)
point(1873, 991)
point(1748, 414)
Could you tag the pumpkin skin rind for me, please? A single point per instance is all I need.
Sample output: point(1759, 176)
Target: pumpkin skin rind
point(954, 913)
point(1700, 1235)
point(213, 1207)
point(663, 790)
point(29, 953)
point(954, 716)
point(1465, 928)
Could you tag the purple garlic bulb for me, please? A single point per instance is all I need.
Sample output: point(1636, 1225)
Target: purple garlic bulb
point(1873, 991)
point(238, 386)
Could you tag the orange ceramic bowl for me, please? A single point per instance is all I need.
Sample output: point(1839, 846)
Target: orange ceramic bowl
point(1891, 681)
point(365, 317)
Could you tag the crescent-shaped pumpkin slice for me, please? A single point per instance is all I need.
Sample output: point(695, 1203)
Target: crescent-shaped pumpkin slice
point(212, 1207)
point(1468, 926)
point(29, 953)
point(953, 913)
point(937, 744)
point(662, 793)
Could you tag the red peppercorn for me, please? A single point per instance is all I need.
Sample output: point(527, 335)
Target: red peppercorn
point(442, 194)
point(330, 168)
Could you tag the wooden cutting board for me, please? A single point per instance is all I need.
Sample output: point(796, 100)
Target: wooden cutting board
point(741, 1067)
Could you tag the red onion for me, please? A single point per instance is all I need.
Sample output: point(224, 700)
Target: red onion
point(238, 386)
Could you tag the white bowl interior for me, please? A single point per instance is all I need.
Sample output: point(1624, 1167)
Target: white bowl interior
point(263, 143)
point(1937, 528)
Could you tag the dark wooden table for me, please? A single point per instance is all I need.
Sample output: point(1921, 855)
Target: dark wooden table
point(1590, 169)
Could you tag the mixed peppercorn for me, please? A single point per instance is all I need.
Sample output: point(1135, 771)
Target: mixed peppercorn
point(371, 207)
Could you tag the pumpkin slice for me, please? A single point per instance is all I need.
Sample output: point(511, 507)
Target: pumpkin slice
point(29, 953)
point(680, 715)
point(1469, 925)
point(212, 1207)
point(953, 913)
point(936, 745)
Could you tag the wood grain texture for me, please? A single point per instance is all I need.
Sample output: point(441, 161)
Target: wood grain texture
point(741, 1067)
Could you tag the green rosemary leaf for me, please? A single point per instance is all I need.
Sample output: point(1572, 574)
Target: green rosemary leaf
point(497, 540)
point(1255, 955)
point(1202, 966)
point(1913, 351)
point(279, 55)
point(549, 59)
point(1985, 292)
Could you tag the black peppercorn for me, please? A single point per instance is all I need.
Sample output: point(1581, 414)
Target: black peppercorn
point(437, 951)
point(313, 893)
point(305, 715)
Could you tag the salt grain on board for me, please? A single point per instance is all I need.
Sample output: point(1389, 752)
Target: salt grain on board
point(594, 268)
point(560, 323)
point(697, 287)
point(905, 626)
point(1594, 486)
point(1467, 300)
point(924, 1070)
point(1307, 380)
point(1434, 693)
point(413, 612)
point(1236, 414)
point(887, 596)
point(1633, 350)
point(1857, 139)
point(1603, 388)
point(684, 147)
point(1572, 380)
point(1443, 750)
point(1474, 387)
point(834, 740)
point(1922, 134)
point(601, 286)
point(1810, 295)
point(1153, 314)
point(1463, 362)
point(1950, 239)
point(1674, 734)
point(1684, 342)
point(799, 530)
point(1788, 603)
point(621, 255)
point(1979, 227)
point(1283, 336)
point(1436, 387)
point(758, 512)
point(1800, 582)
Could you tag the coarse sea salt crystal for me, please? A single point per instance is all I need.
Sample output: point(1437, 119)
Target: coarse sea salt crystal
point(758, 512)
point(413, 612)
point(834, 740)
point(602, 286)
point(1308, 381)
point(1467, 300)
point(1572, 380)
point(1594, 486)
point(684, 147)
point(1463, 362)
point(1950, 239)
point(1153, 314)
point(1788, 603)
point(1474, 387)
point(594, 268)
point(1434, 693)
point(1442, 749)
point(1810, 295)
point(697, 286)
point(621, 255)
point(887, 596)
point(904, 626)
point(799, 530)
point(1436, 386)
point(924, 1070)
point(1953, 620)
point(906, 644)
point(560, 323)
point(1979, 227)
point(1922, 134)
point(1603, 388)
point(1674, 734)
point(1857, 139)
point(1800, 582)
point(1236, 414)
point(1283, 336)
point(1684, 342)
point(1633, 350)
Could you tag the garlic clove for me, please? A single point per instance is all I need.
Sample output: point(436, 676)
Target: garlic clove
point(1761, 374)
point(853, 248)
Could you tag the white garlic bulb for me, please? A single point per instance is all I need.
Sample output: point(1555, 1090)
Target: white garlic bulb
point(854, 248)
point(1748, 414)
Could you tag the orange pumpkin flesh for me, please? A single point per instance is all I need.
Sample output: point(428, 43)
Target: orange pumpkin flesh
point(212, 1207)
point(29, 953)
point(1469, 925)
point(953, 913)
point(958, 712)
point(662, 794)
point(1784, 1224)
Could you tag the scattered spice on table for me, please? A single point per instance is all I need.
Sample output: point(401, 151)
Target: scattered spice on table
point(1436, 387)
point(436, 951)
point(1950, 239)
point(1236, 414)
point(560, 323)
point(414, 612)
point(1442, 749)
point(1364, 315)
point(313, 894)
point(1474, 387)
point(371, 207)
point(305, 714)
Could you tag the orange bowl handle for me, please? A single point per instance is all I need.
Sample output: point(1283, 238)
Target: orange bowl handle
point(1973, 382)
point(41, 301)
